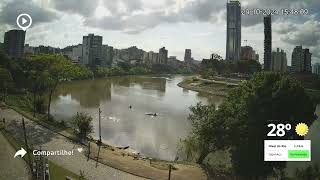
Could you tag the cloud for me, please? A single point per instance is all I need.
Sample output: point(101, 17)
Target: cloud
point(107, 22)
point(81, 7)
point(132, 18)
point(283, 27)
point(12, 9)
point(306, 34)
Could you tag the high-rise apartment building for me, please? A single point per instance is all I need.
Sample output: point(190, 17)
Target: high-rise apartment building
point(107, 55)
point(233, 44)
point(14, 43)
point(91, 50)
point(316, 68)
point(267, 43)
point(163, 56)
point(301, 60)
point(279, 61)
point(187, 56)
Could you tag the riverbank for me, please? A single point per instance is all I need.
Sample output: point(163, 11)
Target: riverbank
point(213, 87)
point(112, 161)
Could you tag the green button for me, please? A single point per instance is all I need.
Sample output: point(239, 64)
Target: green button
point(298, 154)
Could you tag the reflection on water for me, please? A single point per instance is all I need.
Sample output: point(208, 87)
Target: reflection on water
point(153, 136)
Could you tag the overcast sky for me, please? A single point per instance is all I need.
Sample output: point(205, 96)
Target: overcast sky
point(150, 24)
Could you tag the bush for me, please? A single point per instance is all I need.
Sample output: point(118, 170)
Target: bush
point(82, 123)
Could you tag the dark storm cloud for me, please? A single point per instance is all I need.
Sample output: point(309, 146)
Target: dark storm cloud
point(82, 7)
point(10, 10)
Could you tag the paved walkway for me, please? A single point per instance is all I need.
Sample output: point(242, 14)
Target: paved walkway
point(11, 168)
point(48, 140)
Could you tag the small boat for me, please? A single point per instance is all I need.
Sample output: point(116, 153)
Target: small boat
point(152, 114)
point(122, 147)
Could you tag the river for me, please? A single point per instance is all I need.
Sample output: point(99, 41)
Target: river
point(157, 136)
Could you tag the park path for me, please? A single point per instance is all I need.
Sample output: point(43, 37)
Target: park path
point(11, 168)
point(48, 140)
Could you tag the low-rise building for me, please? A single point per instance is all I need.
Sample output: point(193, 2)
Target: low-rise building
point(247, 53)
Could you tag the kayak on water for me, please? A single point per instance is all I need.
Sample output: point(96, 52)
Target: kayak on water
point(152, 114)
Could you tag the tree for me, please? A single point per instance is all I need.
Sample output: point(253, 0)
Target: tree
point(207, 132)
point(243, 117)
point(52, 70)
point(6, 81)
point(217, 66)
point(310, 173)
point(82, 123)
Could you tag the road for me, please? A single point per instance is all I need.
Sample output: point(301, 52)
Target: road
point(48, 140)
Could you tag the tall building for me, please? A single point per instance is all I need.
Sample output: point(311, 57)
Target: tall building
point(14, 43)
point(134, 53)
point(257, 57)
point(155, 58)
point(301, 60)
point(73, 52)
point(279, 61)
point(316, 68)
point(151, 58)
point(107, 55)
point(187, 56)
point(267, 42)
point(233, 44)
point(46, 50)
point(247, 53)
point(28, 49)
point(91, 50)
point(163, 56)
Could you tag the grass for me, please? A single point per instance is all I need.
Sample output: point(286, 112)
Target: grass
point(214, 88)
point(59, 173)
point(22, 103)
point(15, 144)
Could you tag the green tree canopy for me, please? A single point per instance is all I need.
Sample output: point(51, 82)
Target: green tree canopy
point(6, 81)
point(217, 66)
point(240, 123)
point(82, 123)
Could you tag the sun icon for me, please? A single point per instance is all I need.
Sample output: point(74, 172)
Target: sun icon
point(302, 129)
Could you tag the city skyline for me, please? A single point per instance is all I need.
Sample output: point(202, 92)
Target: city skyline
point(177, 25)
